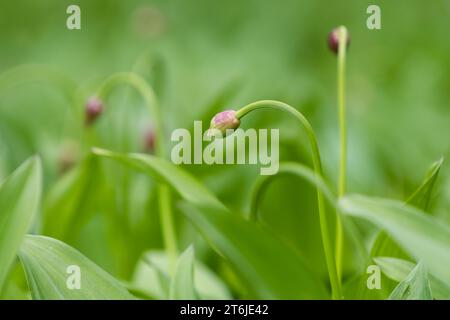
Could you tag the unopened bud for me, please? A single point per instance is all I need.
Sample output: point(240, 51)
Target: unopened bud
point(225, 120)
point(150, 140)
point(94, 107)
point(333, 38)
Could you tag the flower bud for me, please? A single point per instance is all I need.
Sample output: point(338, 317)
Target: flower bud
point(225, 120)
point(94, 107)
point(333, 38)
point(150, 141)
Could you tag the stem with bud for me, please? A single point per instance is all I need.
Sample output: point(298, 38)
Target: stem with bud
point(342, 48)
point(317, 164)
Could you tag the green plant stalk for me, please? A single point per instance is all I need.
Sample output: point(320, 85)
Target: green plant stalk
point(327, 244)
point(164, 195)
point(342, 47)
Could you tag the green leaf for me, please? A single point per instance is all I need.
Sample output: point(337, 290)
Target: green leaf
point(182, 284)
point(184, 183)
point(398, 270)
point(66, 208)
point(20, 194)
point(152, 278)
point(415, 287)
point(421, 197)
point(421, 235)
point(47, 263)
point(270, 268)
point(383, 244)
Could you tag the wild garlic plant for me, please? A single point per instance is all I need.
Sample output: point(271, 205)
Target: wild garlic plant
point(410, 245)
point(229, 120)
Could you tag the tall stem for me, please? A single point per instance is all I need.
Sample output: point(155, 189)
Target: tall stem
point(342, 34)
point(164, 195)
point(317, 164)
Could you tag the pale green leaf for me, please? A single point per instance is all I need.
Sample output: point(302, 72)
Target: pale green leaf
point(152, 278)
point(383, 244)
point(19, 202)
point(48, 267)
point(182, 284)
point(415, 287)
point(421, 235)
point(398, 270)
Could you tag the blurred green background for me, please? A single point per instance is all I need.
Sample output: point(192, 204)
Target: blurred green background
point(203, 56)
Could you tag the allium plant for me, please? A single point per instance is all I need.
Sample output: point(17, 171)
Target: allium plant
point(411, 246)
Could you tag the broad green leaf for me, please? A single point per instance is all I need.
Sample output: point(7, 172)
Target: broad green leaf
point(398, 270)
point(151, 277)
point(270, 268)
point(53, 269)
point(182, 284)
point(415, 287)
point(184, 183)
point(383, 244)
point(394, 268)
point(421, 235)
point(20, 194)
point(66, 208)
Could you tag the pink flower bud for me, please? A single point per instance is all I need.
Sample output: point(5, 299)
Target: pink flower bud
point(150, 141)
point(94, 107)
point(333, 39)
point(225, 120)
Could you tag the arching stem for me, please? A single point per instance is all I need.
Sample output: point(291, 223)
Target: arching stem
point(164, 195)
point(342, 47)
point(324, 227)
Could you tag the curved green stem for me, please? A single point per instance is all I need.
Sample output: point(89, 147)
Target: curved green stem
point(164, 195)
point(342, 47)
point(327, 244)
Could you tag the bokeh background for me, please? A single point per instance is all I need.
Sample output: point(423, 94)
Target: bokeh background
point(203, 56)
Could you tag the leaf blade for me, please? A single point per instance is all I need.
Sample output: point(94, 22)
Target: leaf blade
point(20, 196)
point(257, 255)
point(45, 261)
point(184, 183)
point(182, 284)
point(398, 269)
point(415, 287)
point(420, 235)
